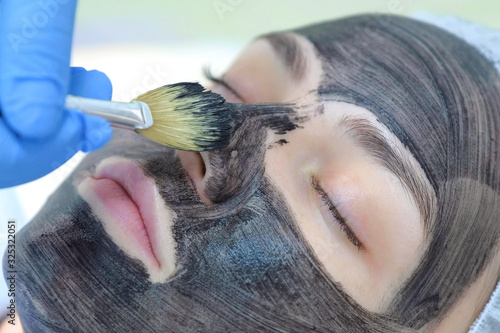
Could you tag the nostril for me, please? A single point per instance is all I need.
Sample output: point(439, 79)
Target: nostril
point(193, 163)
point(195, 166)
point(203, 170)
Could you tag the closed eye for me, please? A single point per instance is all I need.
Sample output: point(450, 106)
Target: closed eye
point(207, 73)
point(342, 221)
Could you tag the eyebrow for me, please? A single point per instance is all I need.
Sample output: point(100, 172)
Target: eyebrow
point(397, 161)
point(289, 51)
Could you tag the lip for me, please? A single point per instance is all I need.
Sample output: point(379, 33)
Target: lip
point(132, 212)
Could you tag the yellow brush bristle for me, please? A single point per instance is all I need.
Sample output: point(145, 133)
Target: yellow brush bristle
point(186, 117)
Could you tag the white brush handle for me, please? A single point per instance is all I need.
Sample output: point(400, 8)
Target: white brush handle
point(133, 115)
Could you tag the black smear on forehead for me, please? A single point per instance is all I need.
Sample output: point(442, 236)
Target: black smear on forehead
point(441, 98)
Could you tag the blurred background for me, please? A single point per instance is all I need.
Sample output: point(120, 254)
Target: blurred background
point(143, 44)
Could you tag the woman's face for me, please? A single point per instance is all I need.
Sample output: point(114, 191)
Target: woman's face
point(358, 216)
point(336, 206)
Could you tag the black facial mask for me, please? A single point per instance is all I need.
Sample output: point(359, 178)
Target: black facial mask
point(243, 265)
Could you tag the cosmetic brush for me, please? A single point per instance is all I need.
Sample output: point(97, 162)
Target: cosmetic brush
point(182, 115)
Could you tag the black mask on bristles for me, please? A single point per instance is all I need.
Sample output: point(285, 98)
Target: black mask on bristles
point(187, 117)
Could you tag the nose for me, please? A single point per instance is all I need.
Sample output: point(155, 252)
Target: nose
point(238, 168)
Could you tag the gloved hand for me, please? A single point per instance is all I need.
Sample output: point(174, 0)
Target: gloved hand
point(37, 134)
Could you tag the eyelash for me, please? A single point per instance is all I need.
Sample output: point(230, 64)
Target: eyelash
point(209, 75)
point(342, 221)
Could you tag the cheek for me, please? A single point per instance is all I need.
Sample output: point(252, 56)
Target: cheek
point(291, 167)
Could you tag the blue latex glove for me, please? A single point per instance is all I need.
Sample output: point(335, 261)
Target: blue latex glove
point(37, 134)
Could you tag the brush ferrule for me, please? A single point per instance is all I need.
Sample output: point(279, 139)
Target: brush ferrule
point(133, 115)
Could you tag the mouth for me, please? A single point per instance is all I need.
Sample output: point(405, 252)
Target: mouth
point(133, 213)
